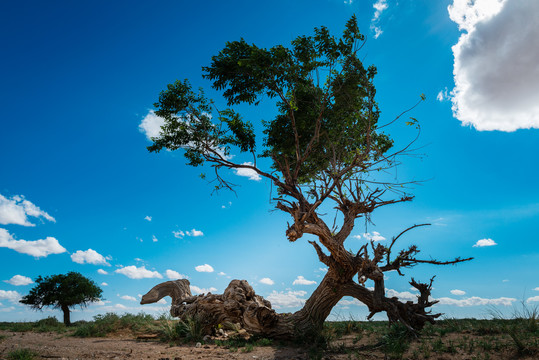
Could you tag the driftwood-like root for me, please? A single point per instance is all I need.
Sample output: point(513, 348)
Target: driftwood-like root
point(238, 305)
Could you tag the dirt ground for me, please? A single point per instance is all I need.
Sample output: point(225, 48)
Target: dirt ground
point(60, 346)
point(126, 346)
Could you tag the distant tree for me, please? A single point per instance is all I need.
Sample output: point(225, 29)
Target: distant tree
point(63, 292)
point(323, 148)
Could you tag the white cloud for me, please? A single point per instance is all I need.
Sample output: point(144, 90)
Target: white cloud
point(356, 237)
point(9, 309)
point(324, 269)
point(128, 298)
point(134, 272)
point(288, 299)
point(375, 236)
point(443, 95)
point(379, 7)
point(174, 275)
point(533, 299)
point(178, 234)
point(484, 242)
point(148, 218)
point(476, 301)
point(197, 290)
point(221, 273)
point(151, 125)
point(10, 295)
point(162, 301)
point(536, 289)
point(300, 280)
point(89, 256)
point(404, 295)
point(204, 268)
point(458, 292)
point(19, 280)
point(495, 67)
point(102, 272)
point(266, 281)
point(249, 173)
point(17, 209)
point(37, 248)
point(194, 233)
point(345, 302)
point(154, 239)
point(104, 284)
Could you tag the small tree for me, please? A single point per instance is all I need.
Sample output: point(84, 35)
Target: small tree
point(63, 292)
point(324, 147)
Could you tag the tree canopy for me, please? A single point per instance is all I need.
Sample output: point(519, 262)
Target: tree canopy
point(63, 291)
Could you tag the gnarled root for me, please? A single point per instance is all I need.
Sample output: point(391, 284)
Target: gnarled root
point(238, 304)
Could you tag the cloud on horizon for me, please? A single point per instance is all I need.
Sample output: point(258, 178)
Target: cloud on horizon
point(495, 64)
point(484, 242)
point(36, 248)
point(19, 280)
point(134, 272)
point(89, 257)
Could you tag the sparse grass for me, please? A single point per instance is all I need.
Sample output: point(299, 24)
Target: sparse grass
point(110, 323)
point(22, 354)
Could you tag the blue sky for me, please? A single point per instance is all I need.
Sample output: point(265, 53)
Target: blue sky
point(80, 192)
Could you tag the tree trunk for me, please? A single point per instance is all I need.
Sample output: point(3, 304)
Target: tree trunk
point(240, 305)
point(66, 311)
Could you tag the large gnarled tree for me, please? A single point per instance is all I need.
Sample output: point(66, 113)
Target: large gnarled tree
point(325, 147)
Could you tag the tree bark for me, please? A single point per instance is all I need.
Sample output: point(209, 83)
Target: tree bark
point(66, 311)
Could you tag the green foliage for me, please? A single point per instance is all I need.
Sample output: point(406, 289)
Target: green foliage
point(61, 291)
point(102, 325)
point(189, 329)
point(327, 115)
point(22, 354)
point(397, 340)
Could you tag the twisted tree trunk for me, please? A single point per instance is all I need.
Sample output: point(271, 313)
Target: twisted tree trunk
point(240, 305)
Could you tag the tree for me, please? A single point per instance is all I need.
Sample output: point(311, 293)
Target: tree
point(324, 147)
point(63, 292)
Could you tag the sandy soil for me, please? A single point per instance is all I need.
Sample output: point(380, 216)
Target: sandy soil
point(60, 346)
point(126, 346)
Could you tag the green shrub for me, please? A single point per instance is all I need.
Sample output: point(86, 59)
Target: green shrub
point(21, 354)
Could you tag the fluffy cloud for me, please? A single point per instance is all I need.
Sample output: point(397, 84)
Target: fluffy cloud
point(221, 273)
point(458, 292)
point(104, 284)
point(354, 301)
point(194, 233)
point(249, 173)
point(495, 66)
point(19, 280)
point(197, 290)
point(154, 239)
point(178, 234)
point(148, 218)
point(12, 296)
point(484, 242)
point(17, 209)
point(375, 236)
point(288, 299)
point(476, 301)
point(324, 269)
point(37, 248)
point(533, 299)
point(174, 275)
point(151, 125)
point(134, 272)
point(204, 268)
point(128, 298)
point(379, 7)
point(266, 281)
point(404, 295)
point(102, 272)
point(90, 257)
point(300, 280)
point(536, 289)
